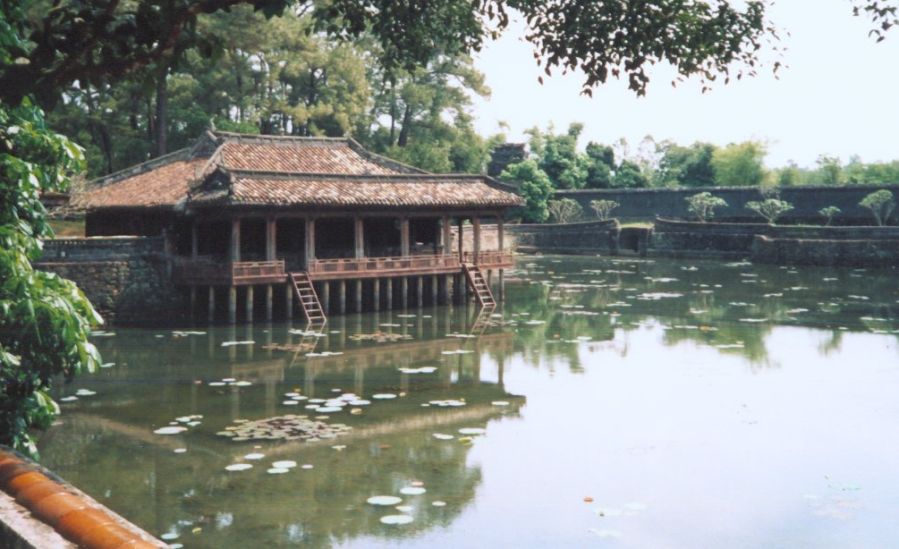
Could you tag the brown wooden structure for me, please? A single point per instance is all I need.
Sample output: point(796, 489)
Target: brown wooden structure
point(246, 213)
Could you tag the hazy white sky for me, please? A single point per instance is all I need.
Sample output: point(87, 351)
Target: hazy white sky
point(839, 94)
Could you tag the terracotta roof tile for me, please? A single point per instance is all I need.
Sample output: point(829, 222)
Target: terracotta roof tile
point(162, 186)
point(335, 157)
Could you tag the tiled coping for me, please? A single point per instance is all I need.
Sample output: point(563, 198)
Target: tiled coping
point(33, 498)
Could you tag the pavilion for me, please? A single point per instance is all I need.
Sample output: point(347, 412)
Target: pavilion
point(312, 217)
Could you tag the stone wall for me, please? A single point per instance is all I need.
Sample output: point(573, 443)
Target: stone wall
point(843, 252)
point(647, 204)
point(127, 279)
point(589, 237)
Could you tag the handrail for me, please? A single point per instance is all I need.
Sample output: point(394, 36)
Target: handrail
point(491, 257)
point(411, 262)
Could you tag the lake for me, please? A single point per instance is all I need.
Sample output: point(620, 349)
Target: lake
point(607, 403)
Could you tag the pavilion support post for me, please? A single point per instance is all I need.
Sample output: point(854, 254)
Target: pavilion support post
point(326, 296)
point(500, 244)
point(234, 253)
point(359, 233)
point(444, 290)
point(194, 240)
point(376, 293)
point(232, 304)
point(358, 295)
point(271, 239)
point(461, 241)
point(269, 305)
point(404, 289)
point(434, 284)
point(389, 304)
point(310, 241)
point(288, 300)
point(476, 239)
point(419, 291)
point(404, 236)
point(249, 304)
point(447, 235)
point(193, 301)
point(502, 285)
point(341, 296)
point(210, 311)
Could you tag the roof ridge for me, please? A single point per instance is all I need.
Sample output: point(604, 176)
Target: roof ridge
point(238, 137)
point(327, 175)
point(146, 165)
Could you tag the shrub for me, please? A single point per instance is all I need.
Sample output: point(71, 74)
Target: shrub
point(603, 208)
point(565, 210)
point(881, 204)
point(770, 208)
point(829, 213)
point(703, 205)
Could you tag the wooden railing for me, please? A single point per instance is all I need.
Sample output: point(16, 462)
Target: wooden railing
point(251, 270)
point(493, 258)
point(212, 271)
point(382, 265)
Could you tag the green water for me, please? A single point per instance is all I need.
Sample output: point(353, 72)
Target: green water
point(694, 404)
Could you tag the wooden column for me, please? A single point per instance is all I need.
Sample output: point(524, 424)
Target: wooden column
point(232, 304)
point(358, 295)
point(211, 305)
point(376, 293)
point(341, 296)
point(476, 247)
point(419, 291)
point(249, 304)
point(404, 289)
point(500, 241)
point(434, 284)
point(404, 236)
point(444, 290)
point(234, 254)
point(447, 235)
point(288, 300)
point(194, 240)
point(310, 241)
point(271, 239)
point(461, 243)
point(193, 301)
point(269, 305)
point(389, 303)
point(326, 296)
point(359, 232)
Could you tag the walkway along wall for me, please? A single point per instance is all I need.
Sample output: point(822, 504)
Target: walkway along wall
point(647, 204)
point(128, 279)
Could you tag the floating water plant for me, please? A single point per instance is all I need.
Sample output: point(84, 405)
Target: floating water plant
point(413, 491)
point(396, 519)
point(384, 500)
point(287, 427)
point(170, 430)
point(238, 467)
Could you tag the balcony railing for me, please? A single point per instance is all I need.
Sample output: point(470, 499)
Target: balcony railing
point(385, 266)
point(492, 258)
point(207, 270)
point(249, 271)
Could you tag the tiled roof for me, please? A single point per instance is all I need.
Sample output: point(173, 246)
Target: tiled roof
point(310, 190)
point(282, 171)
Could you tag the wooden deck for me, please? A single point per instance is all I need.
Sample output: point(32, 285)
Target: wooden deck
point(207, 271)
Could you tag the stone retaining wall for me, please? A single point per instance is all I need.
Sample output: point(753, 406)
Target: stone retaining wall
point(127, 279)
point(842, 252)
point(589, 237)
point(647, 204)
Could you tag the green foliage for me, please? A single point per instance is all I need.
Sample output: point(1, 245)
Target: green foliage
point(828, 213)
point(534, 186)
point(603, 208)
point(45, 320)
point(565, 210)
point(830, 171)
point(629, 175)
point(686, 166)
point(770, 208)
point(739, 164)
point(881, 203)
point(703, 205)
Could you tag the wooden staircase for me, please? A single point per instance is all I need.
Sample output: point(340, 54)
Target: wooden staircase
point(312, 307)
point(479, 284)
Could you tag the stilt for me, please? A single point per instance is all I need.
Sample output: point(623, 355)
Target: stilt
point(269, 296)
point(193, 302)
point(444, 290)
point(326, 296)
point(434, 284)
point(419, 291)
point(211, 305)
point(502, 285)
point(358, 295)
point(249, 304)
point(288, 301)
point(341, 296)
point(232, 304)
point(389, 303)
point(404, 287)
point(376, 293)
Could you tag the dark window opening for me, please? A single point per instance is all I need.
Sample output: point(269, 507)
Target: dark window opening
point(334, 238)
point(252, 239)
point(382, 237)
point(213, 238)
point(424, 235)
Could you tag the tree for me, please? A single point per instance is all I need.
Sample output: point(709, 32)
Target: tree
point(598, 160)
point(828, 213)
point(565, 210)
point(603, 208)
point(770, 208)
point(703, 205)
point(829, 170)
point(533, 185)
point(686, 166)
point(788, 176)
point(629, 176)
point(739, 164)
point(881, 203)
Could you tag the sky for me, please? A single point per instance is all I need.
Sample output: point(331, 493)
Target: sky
point(839, 94)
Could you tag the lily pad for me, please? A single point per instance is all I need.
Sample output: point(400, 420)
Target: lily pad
point(384, 500)
point(396, 519)
point(238, 467)
point(412, 491)
point(170, 430)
